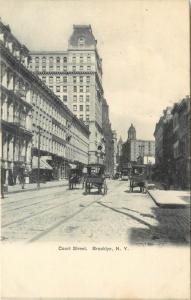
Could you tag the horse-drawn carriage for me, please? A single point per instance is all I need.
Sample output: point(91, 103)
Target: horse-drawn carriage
point(76, 177)
point(95, 179)
point(138, 177)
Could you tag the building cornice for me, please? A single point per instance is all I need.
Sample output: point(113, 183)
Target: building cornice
point(6, 29)
point(64, 72)
point(15, 127)
point(58, 139)
point(15, 96)
point(42, 52)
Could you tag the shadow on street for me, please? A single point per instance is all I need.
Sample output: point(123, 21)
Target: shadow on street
point(173, 229)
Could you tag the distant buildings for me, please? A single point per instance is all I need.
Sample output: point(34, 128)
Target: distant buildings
point(34, 120)
point(172, 139)
point(75, 76)
point(115, 151)
point(134, 148)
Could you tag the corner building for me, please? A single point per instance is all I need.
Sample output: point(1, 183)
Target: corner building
point(16, 108)
point(75, 76)
point(34, 120)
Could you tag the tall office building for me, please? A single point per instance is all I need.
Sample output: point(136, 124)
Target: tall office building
point(75, 76)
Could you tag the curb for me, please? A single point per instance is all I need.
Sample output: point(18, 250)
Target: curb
point(167, 205)
point(35, 189)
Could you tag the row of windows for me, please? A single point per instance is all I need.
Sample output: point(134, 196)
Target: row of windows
point(86, 118)
point(51, 59)
point(48, 109)
point(81, 58)
point(81, 107)
point(81, 79)
point(81, 98)
point(64, 68)
point(81, 89)
point(47, 125)
point(60, 79)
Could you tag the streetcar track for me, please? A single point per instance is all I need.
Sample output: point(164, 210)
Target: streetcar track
point(38, 213)
point(54, 207)
point(26, 199)
point(54, 226)
point(55, 195)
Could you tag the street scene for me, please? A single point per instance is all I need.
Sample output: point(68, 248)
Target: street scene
point(95, 134)
point(71, 216)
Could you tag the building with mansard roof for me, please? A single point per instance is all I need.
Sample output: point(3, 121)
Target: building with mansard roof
point(75, 76)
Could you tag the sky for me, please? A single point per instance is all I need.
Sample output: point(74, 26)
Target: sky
point(144, 45)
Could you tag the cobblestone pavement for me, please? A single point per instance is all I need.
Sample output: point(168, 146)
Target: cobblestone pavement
point(61, 215)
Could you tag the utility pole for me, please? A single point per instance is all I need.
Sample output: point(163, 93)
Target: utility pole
point(38, 171)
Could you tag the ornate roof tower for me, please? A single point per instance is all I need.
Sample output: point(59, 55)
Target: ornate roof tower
point(132, 133)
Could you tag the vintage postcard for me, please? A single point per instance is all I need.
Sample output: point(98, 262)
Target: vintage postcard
point(95, 149)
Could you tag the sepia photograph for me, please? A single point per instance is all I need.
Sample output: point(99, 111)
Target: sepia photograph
point(95, 139)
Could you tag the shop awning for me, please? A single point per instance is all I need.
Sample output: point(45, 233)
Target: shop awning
point(43, 164)
point(72, 166)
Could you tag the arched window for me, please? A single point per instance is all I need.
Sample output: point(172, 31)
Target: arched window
point(44, 59)
point(81, 41)
point(51, 59)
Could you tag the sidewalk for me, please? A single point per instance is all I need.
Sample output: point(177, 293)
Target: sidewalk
point(170, 199)
point(33, 186)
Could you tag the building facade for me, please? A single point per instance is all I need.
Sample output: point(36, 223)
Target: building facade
point(61, 137)
point(16, 108)
point(172, 140)
point(115, 152)
point(109, 160)
point(159, 135)
point(35, 122)
point(181, 143)
point(75, 76)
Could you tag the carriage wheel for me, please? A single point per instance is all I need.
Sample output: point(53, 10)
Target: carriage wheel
point(104, 188)
point(87, 189)
point(131, 186)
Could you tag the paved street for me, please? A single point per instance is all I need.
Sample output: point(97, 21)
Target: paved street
point(58, 214)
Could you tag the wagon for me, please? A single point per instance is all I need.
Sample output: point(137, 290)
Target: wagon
point(95, 179)
point(75, 177)
point(124, 174)
point(138, 177)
